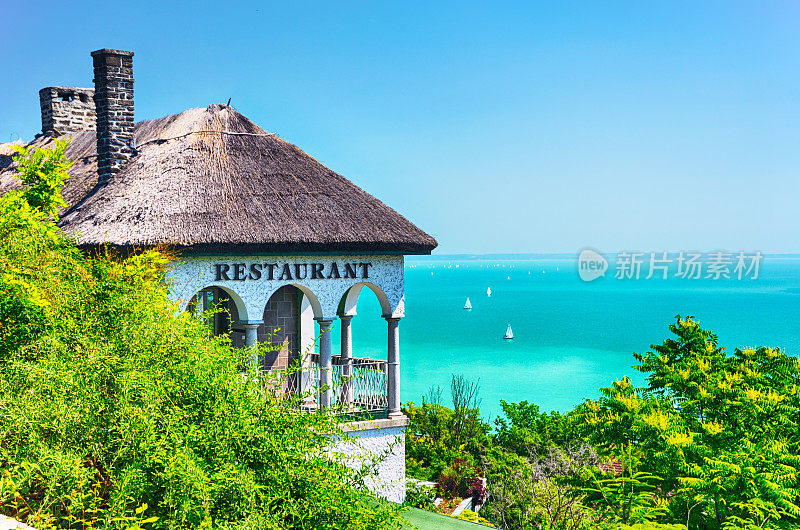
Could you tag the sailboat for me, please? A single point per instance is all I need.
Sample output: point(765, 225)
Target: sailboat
point(468, 305)
point(509, 334)
point(488, 291)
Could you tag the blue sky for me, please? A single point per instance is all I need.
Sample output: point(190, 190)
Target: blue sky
point(496, 127)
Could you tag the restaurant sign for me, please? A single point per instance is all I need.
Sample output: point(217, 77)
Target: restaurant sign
point(290, 271)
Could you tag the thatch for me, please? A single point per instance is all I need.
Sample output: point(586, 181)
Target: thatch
point(210, 180)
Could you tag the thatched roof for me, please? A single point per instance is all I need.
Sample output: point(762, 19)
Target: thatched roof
point(210, 180)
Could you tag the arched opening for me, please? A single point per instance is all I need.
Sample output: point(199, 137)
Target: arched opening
point(359, 364)
point(349, 302)
point(222, 310)
point(368, 328)
point(288, 327)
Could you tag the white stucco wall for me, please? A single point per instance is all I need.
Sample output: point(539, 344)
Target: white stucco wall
point(387, 444)
point(7, 523)
point(191, 274)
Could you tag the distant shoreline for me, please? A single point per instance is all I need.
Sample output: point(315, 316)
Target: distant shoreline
point(546, 256)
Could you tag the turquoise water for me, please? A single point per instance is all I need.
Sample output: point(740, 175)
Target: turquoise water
point(571, 337)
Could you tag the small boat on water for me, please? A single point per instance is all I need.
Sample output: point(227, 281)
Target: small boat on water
point(508, 277)
point(468, 305)
point(509, 334)
point(488, 291)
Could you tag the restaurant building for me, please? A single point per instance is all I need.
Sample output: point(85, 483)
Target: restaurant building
point(282, 243)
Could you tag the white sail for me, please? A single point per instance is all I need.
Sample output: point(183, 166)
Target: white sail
point(488, 291)
point(468, 305)
point(509, 334)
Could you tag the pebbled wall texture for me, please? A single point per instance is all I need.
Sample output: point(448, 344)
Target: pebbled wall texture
point(384, 444)
point(385, 277)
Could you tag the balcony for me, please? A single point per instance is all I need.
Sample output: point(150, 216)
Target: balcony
point(358, 388)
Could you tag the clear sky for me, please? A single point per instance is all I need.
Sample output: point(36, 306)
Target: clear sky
point(496, 127)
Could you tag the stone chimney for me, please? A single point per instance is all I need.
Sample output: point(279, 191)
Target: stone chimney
point(67, 109)
point(113, 98)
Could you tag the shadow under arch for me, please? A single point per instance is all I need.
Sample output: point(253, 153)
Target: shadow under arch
point(348, 303)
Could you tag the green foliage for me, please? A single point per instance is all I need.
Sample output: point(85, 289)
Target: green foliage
point(43, 172)
point(438, 436)
point(720, 429)
point(430, 448)
point(116, 412)
point(626, 495)
point(420, 495)
point(712, 442)
point(29, 245)
point(535, 491)
point(469, 515)
point(642, 526)
point(524, 427)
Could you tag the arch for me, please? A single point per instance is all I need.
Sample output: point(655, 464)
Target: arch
point(347, 306)
point(241, 308)
point(228, 320)
point(312, 300)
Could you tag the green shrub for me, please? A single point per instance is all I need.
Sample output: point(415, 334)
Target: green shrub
point(438, 436)
point(642, 526)
point(117, 411)
point(469, 515)
point(457, 479)
point(522, 427)
point(420, 495)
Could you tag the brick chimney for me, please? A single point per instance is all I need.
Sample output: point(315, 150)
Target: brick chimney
point(66, 109)
point(113, 98)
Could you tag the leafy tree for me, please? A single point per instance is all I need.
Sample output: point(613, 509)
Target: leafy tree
point(43, 173)
point(720, 429)
point(439, 436)
point(523, 427)
point(623, 494)
point(535, 492)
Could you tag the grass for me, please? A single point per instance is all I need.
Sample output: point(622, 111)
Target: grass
point(434, 521)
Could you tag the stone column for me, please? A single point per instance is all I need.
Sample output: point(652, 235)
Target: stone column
point(347, 360)
point(325, 363)
point(393, 367)
point(251, 340)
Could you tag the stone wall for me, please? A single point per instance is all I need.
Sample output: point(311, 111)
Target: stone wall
point(67, 110)
point(381, 441)
point(280, 328)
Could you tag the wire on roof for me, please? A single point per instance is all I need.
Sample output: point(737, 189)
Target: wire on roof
point(231, 133)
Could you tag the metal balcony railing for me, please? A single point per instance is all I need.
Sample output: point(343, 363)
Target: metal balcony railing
point(360, 385)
